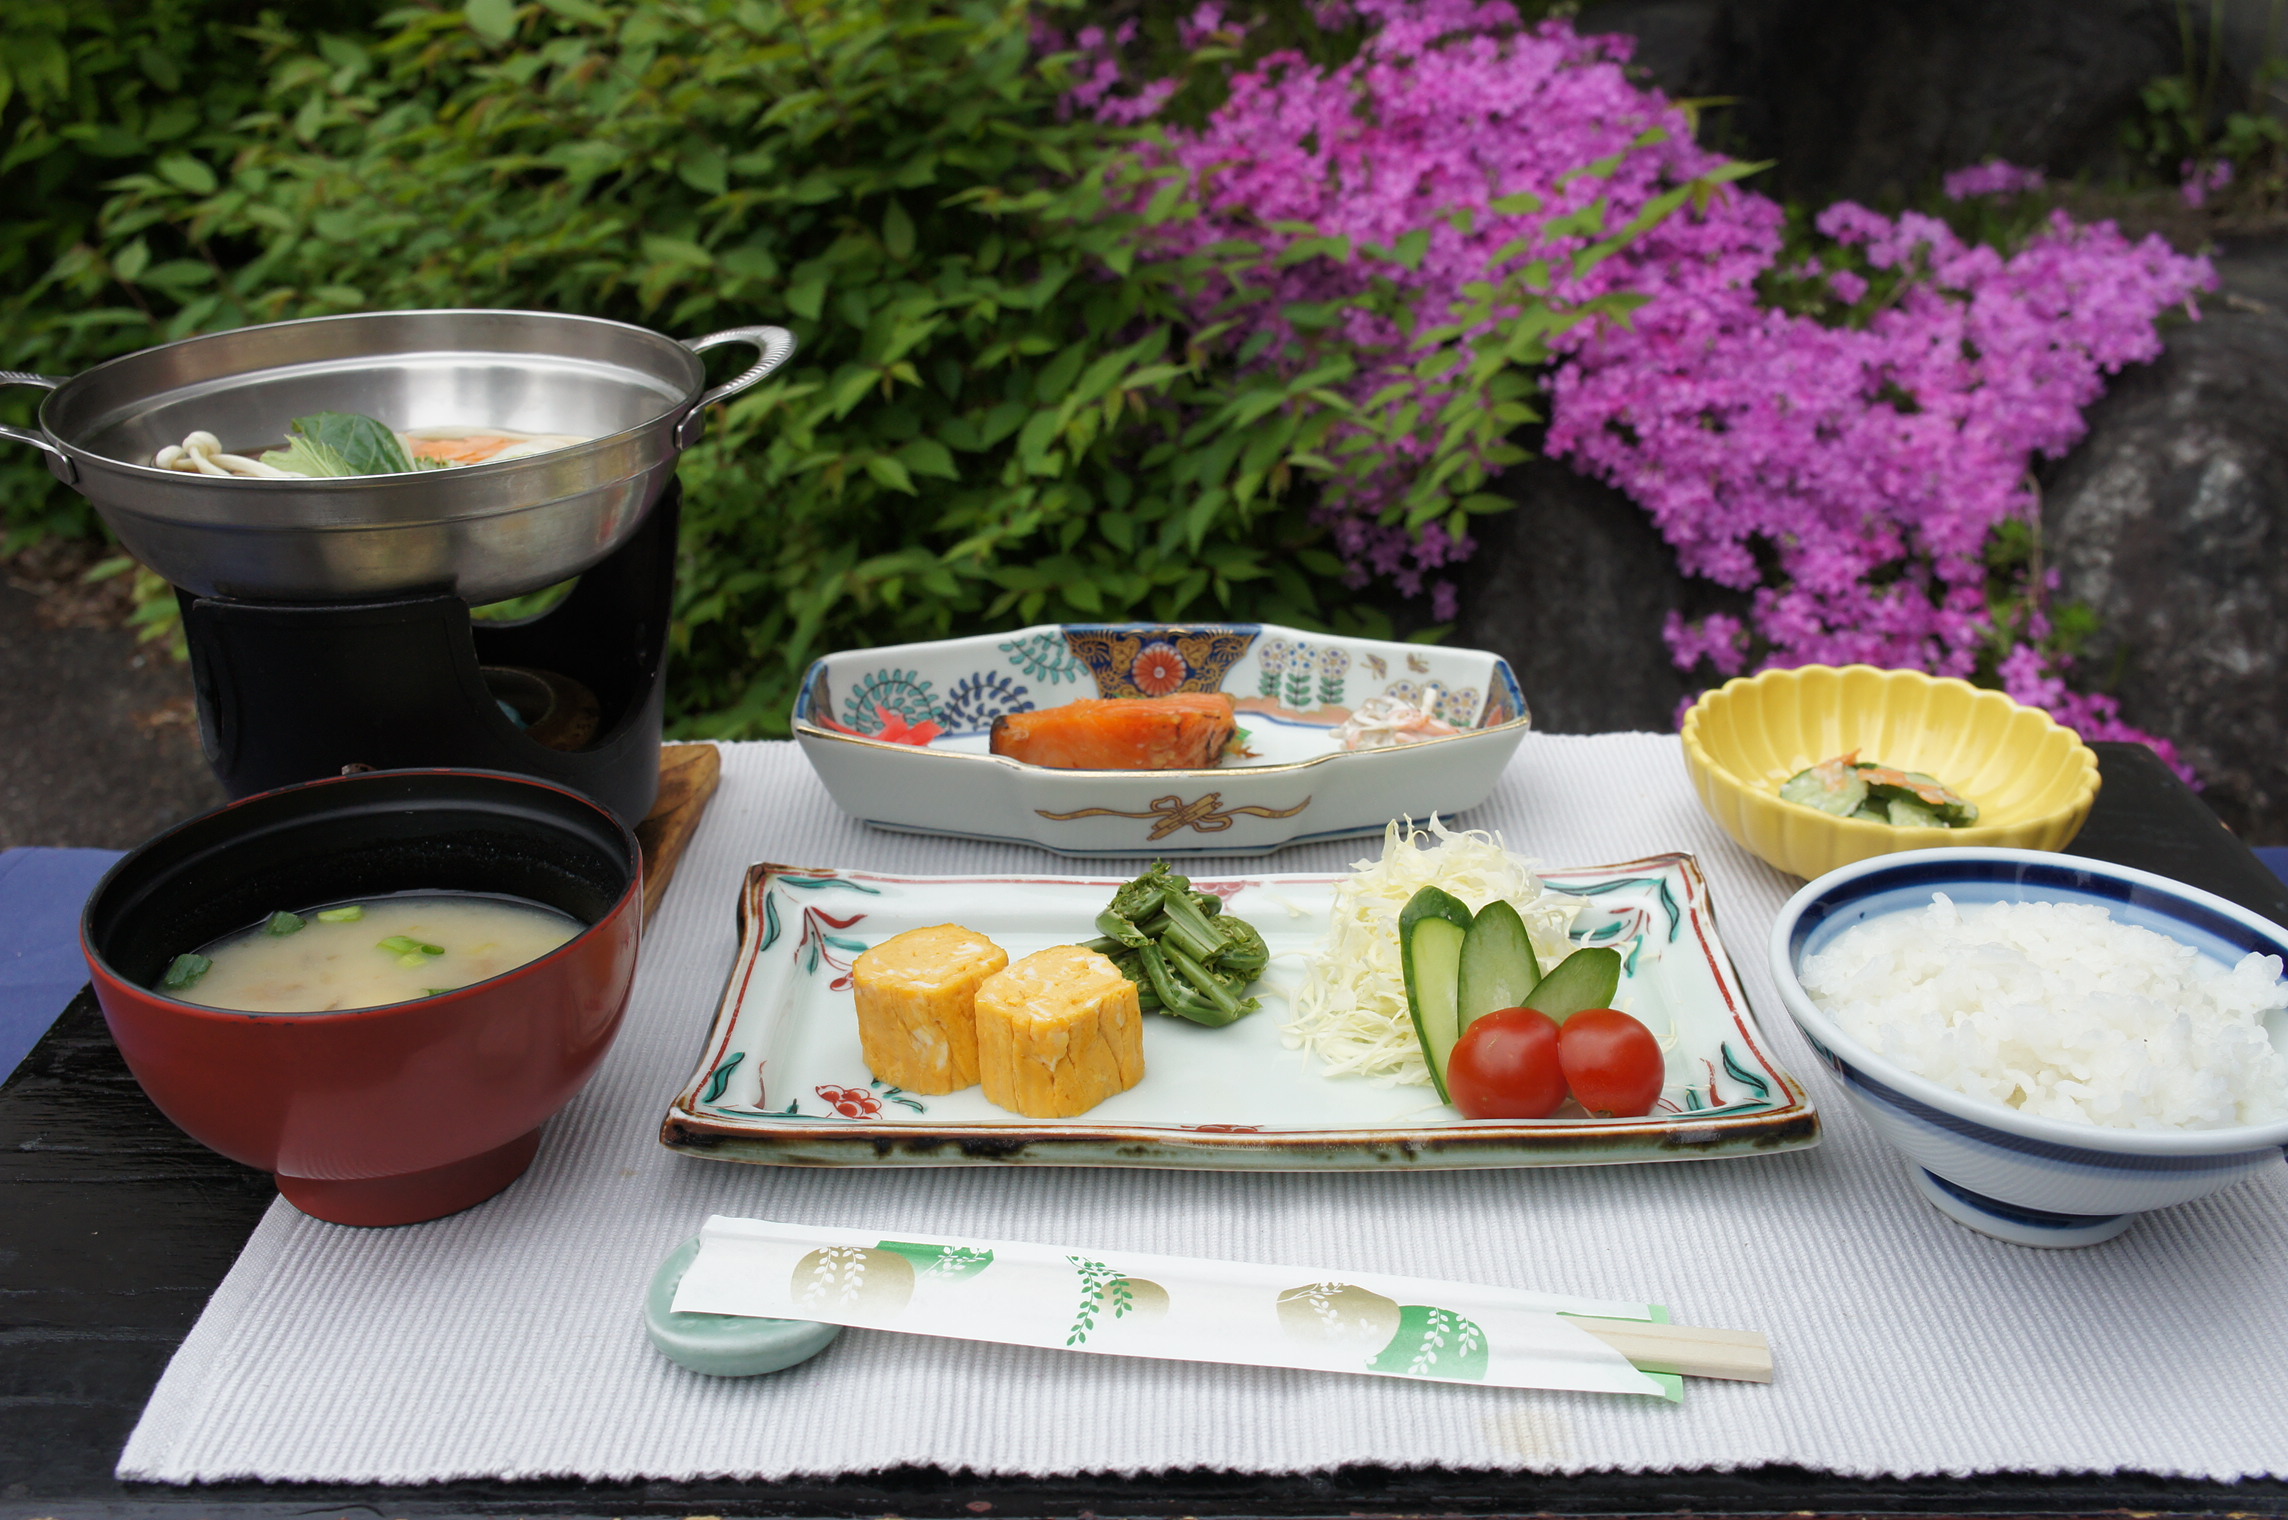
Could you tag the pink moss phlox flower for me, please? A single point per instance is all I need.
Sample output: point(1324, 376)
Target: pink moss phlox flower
point(1850, 478)
point(2200, 183)
point(1201, 26)
point(1449, 106)
point(1994, 177)
point(1097, 76)
point(1848, 287)
point(1718, 638)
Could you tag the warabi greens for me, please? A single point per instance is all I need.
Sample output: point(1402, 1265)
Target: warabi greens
point(1186, 955)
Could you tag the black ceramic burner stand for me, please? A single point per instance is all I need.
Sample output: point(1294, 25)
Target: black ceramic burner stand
point(291, 692)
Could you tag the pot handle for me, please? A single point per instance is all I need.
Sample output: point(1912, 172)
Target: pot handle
point(776, 346)
point(60, 462)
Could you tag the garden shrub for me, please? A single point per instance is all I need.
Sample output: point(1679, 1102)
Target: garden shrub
point(998, 412)
point(90, 89)
point(1516, 161)
point(1078, 343)
point(1841, 422)
point(1858, 453)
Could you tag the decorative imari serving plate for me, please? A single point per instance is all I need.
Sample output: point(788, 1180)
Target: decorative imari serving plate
point(781, 1079)
point(857, 711)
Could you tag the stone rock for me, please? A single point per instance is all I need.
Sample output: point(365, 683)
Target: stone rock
point(90, 757)
point(1873, 100)
point(2171, 522)
point(1572, 588)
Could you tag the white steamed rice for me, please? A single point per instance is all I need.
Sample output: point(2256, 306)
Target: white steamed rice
point(2055, 1010)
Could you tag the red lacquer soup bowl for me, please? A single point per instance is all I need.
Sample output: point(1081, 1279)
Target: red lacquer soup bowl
point(382, 1115)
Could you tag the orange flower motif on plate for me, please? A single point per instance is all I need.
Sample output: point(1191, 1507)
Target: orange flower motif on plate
point(1197, 657)
point(1159, 669)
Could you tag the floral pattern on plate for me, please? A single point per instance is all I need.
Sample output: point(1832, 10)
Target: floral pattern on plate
point(1145, 660)
point(777, 1081)
point(900, 691)
point(1291, 689)
point(980, 697)
point(1297, 675)
point(1043, 655)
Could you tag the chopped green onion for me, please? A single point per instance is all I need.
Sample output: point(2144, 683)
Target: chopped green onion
point(413, 958)
point(406, 944)
point(187, 968)
point(348, 915)
point(435, 991)
point(283, 923)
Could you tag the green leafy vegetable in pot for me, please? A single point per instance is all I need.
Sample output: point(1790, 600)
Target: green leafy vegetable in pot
point(1186, 955)
point(328, 445)
point(340, 443)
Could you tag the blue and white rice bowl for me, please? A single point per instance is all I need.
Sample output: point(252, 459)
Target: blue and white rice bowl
point(2032, 1181)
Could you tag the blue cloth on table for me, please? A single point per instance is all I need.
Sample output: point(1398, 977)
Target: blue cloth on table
point(2275, 856)
point(41, 893)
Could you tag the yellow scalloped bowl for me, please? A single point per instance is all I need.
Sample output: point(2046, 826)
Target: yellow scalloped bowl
point(2033, 781)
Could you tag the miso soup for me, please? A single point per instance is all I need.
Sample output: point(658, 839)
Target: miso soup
point(368, 953)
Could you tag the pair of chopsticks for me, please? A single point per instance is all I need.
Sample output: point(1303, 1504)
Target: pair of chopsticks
point(1740, 1356)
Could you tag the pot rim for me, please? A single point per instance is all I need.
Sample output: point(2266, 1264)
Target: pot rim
point(82, 455)
point(693, 395)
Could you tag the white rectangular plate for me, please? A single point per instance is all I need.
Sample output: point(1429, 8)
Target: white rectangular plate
point(781, 1079)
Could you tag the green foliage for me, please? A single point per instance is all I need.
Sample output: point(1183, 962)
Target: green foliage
point(2186, 119)
point(998, 413)
point(1155, 48)
point(2022, 605)
point(157, 619)
point(90, 89)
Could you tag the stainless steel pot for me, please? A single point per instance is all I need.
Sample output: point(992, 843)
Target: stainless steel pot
point(485, 531)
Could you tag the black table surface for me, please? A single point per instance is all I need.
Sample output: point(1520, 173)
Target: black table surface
point(114, 1228)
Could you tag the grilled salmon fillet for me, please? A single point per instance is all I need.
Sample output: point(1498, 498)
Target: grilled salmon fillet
point(1187, 731)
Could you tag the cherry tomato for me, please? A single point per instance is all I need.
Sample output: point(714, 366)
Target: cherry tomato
point(1611, 1062)
point(1505, 1067)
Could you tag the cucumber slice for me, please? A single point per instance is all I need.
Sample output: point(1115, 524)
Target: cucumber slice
point(1585, 979)
point(1498, 965)
point(1431, 928)
point(1913, 813)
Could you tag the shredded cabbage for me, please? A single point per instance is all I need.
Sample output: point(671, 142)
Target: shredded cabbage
point(1351, 1009)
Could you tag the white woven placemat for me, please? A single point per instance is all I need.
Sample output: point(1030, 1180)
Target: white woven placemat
point(507, 1342)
